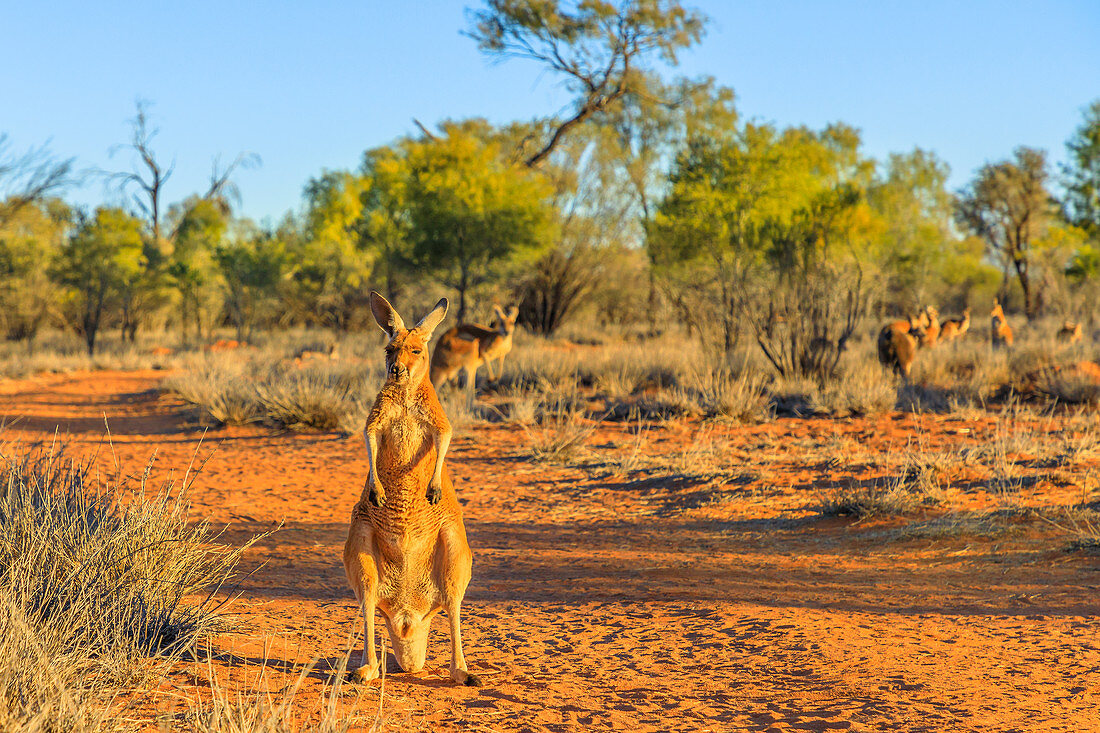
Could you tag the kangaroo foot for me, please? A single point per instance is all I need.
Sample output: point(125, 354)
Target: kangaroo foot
point(364, 674)
point(463, 677)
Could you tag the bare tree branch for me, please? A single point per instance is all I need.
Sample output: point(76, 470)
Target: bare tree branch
point(30, 177)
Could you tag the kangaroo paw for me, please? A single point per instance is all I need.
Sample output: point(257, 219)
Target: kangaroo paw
point(435, 493)
point(377, 495)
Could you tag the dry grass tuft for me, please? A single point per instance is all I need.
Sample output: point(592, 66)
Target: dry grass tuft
point(93, 575)
point(560, 435)
point(322, 395)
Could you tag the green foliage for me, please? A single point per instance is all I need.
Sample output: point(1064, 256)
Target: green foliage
point(917, 246)
point(331, 267)
point(104, 254)
point(767, 229)
point(201, 227)
point(384, 228)
point(1083, 173)
point(601, 48)
point(252, 265)
point(1008, 205)
point(29, 238)
point(473, 214)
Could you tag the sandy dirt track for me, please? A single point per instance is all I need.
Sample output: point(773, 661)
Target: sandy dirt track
point(603, 600)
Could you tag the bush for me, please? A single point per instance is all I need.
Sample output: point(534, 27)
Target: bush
point(280, 394)
point(93, 578)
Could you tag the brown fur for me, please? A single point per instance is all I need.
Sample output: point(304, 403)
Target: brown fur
point(406, 553)
point(1000, 332)
point(931, 322)
point(955, 328)
point(1070, 333)
point(898, 342)
point(467, 346)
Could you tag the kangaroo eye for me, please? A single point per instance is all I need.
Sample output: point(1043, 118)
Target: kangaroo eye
point(416, 351)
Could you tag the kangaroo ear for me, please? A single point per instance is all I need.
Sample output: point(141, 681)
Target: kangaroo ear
point(385, 315)
point(499, 314)
point(513, 313)
point(434, 318)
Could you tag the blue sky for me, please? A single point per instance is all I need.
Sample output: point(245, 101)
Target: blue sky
point(309, 86)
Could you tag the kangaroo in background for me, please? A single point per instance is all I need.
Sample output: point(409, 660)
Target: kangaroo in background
point(954, 328)
point(467, 346)
point(898, 342)
point(406, 553)
point(1070, 333)
point(1000, 332)
point(930, 319)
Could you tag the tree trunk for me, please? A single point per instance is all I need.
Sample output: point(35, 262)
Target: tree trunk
point(1025, 285)
point(463, 284)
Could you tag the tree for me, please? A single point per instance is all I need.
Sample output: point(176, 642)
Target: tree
point(1008, 205)
point(917, 244)
point(594, 211)
point(200, 226)
point(706, 231)
point(1082, 174)
point(332, 268)
point(650, 125)
point(252, 264)
point(472, 214)
point(96, 263)
point(601, 48)
point(29, 239)
point(145, 181)
point(29, 178)
point(765, 231)
point(384, 229)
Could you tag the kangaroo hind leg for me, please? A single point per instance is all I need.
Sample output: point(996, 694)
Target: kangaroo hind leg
point(453, 563)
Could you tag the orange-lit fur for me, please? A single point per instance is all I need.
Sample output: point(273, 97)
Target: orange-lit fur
point(954, 328)
point(931, 322)
point(1000, 331)
point(406, 553)
point(468, 345)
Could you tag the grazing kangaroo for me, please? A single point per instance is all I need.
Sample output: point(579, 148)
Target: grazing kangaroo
point(954, 328)
point(406, 552)
point(1070, 333)
point(898, 342)
point(1000, 332)
point(467, 346)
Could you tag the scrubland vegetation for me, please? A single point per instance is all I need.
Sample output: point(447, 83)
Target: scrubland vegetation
point(672, 262)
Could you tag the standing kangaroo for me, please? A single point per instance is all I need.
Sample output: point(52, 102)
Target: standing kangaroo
point(1000, 332)
point(406, 552)
point(931, 321)
point(467, 346)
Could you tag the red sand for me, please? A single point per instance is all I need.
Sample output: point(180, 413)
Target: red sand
point(597, 603)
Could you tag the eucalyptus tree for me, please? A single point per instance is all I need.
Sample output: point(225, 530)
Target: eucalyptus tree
point(96, 264)
point(145, 183)
point(472, 214)
point(766, 231)
point(1082, 173)
point(29, 239)
point(601, 49)
point(1009, 207)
